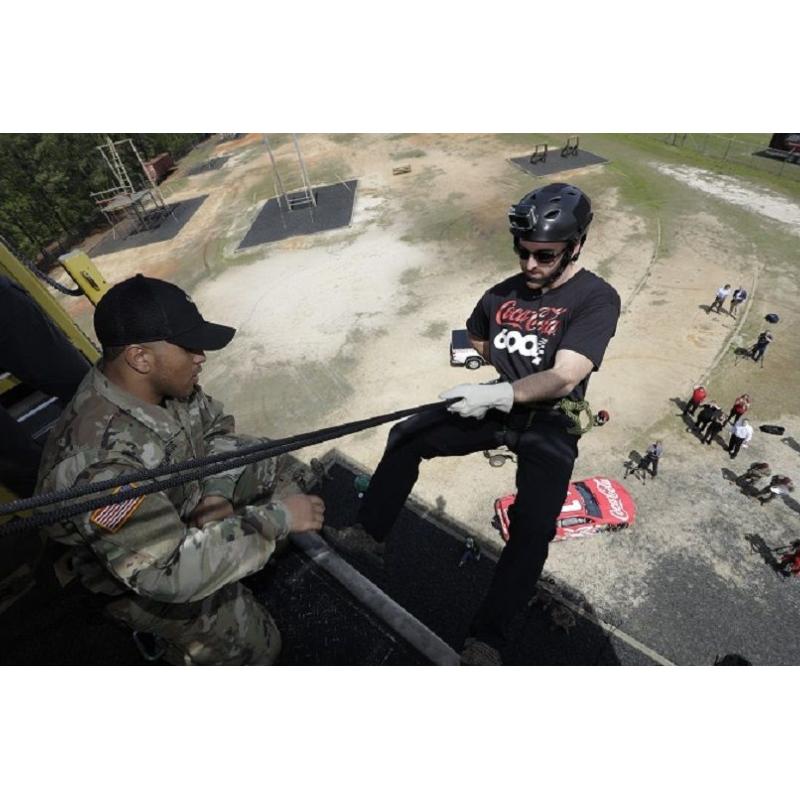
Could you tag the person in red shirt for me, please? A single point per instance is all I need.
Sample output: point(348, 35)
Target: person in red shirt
point(790, 562)
point(698, 395)
point(740, 406)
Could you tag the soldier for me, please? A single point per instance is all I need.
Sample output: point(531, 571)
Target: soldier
point(172, 559)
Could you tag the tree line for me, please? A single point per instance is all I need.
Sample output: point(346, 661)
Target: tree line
point(46, 180)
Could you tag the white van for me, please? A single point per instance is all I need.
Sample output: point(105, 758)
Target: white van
point(462, 353)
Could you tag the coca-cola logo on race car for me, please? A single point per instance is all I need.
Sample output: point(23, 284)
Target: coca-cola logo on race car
point(607, 490)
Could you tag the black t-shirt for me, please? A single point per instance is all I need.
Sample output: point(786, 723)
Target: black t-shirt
point(526, 328)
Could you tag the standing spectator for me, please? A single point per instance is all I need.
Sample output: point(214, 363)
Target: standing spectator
point(759, 349)
point(737, 298)
point(779, 485)
point(740, 406)
point(722, 294)
point(651, 457)
point(698, 395)
point(707, 413)
point(714, 426)
point(741, 435)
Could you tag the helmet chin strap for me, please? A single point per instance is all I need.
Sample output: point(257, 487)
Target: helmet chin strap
point(566, 260)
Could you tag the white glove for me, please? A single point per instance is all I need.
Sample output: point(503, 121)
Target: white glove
point(479, 398)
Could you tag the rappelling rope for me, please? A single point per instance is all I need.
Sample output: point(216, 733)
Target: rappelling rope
point(193, 469)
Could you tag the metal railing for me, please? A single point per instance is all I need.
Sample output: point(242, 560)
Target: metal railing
point(730, 149)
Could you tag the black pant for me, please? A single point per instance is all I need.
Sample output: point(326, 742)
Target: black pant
point(648, 461)
point(711, 431)
point(691, 407)
point(735, 445)
point(702, 423)
point(717, 304)
point(545, 457)
point(733, 415)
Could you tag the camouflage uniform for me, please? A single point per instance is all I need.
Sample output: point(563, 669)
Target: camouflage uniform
point(176, 581)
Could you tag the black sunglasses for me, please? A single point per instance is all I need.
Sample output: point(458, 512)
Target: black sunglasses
point(540, 256)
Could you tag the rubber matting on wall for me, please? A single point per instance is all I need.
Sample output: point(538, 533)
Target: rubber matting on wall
point(320, 622)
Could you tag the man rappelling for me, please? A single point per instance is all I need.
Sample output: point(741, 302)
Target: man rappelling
point(545, 330)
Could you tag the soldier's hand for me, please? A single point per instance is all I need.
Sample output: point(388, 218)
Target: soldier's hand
point(307, 512)
point(212, 507)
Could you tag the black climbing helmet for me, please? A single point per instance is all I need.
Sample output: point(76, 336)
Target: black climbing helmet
point(558, 212)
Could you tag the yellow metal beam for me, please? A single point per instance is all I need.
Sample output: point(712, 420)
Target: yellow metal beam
point(7, 381)
point(14, 269)
point(85, 274)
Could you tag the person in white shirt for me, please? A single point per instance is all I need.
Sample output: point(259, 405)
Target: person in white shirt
point(737, 298)
point(741, 435)
point(722, 294)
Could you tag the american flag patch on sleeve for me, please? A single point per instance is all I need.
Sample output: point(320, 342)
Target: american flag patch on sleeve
point(112, 518)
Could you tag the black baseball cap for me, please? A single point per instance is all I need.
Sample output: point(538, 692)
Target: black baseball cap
point(142, 309)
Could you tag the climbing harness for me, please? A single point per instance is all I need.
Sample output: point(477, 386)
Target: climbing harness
point(571, 409)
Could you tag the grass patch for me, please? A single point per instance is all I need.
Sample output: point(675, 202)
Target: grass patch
point(754, 168)
point(403, 154)
point(343, 138)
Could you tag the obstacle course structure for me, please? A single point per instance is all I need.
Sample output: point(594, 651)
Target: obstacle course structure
point(140, 204)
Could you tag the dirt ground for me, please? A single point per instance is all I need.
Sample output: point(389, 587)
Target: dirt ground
point(355, 322)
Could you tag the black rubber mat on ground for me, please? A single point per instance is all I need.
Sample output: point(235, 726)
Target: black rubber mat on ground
point(557, 163)
point(170, 227)
point(423, 575)
point(334, 210)
point(208, 166)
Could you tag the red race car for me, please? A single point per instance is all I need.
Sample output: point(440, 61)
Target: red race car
point(591, 506)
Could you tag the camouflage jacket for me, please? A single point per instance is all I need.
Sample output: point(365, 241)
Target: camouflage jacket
point(148, 545)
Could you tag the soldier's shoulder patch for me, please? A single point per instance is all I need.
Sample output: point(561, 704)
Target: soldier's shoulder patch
point(112, 517)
